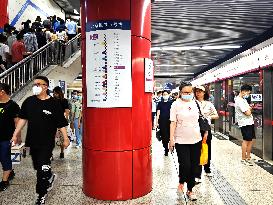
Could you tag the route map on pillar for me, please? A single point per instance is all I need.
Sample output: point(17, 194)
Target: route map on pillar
point(108, 64)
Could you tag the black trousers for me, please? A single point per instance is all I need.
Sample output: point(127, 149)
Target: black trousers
point(188, 159)
point(41, 163)
point(164, 126)
point(207, 166)
point(70, 36)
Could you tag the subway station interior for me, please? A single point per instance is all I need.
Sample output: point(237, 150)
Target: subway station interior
point(113, 65)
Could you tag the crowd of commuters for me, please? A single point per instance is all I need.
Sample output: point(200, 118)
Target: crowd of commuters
point(176, 115)
point(177, 118)
point(45, 116)
point(18, 43)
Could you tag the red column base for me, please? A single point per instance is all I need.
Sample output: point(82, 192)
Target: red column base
point(110, 176)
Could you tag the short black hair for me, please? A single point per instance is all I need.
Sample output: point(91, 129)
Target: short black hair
point(3, 38)
point(159, 92)
point(20, 36)
point(166, 91)
point(59, 91)
point(184, 84)
point(44, 78)
point(246, 87)
point(5, 87)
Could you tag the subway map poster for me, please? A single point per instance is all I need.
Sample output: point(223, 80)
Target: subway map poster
point(108, 64)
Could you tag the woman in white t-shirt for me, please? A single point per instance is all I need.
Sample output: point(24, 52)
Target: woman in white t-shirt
point(209, 112)
point(185, 135)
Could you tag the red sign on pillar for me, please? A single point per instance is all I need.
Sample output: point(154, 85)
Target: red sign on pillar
point(3, 13)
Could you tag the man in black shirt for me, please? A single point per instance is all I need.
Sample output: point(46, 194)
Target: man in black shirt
point(9, 111)
point(44, 116)
point(163, 119)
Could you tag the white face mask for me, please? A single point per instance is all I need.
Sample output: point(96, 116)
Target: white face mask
point(165, 98)
point(36, 90)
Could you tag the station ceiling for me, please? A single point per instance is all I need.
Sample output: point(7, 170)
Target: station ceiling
point(205, 31)
point(188, 36)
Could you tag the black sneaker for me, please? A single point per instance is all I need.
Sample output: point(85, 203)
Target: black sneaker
point(4, 185)
point(40, 199)
point(61, 155)
point(11, 175)
point(51, 181)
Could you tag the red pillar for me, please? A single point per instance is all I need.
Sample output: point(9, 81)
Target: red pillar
point(3, 13)
point(117, 141)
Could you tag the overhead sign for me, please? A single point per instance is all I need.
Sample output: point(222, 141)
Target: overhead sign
point(108, 64)
point(256, 97)
point(255, 60)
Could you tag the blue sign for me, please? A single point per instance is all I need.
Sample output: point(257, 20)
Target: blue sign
point(105, 25)
point(169, 86)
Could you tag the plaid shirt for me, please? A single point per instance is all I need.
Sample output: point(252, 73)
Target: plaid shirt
point(30, 41)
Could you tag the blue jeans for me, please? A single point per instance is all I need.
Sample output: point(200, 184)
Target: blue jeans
point(5, 156)
point(78, 132)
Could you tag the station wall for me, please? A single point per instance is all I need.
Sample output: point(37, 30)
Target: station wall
point(22, 10)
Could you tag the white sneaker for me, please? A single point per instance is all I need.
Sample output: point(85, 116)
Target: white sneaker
point(198, 180)
point(244, 162)
point(249, 162)
point(51, 181)
point(191, 196)
point(40, 199)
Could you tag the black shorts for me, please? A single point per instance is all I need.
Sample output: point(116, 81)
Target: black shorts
point(248, 132)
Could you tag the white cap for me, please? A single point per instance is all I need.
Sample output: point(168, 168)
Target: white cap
point(200, 87)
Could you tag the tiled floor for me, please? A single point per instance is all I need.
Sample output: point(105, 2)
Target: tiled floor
point(232, 183)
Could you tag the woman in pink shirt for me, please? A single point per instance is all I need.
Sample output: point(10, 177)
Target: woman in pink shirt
point(186, 137)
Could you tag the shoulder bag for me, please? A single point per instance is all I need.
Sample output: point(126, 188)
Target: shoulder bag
point(203, 122)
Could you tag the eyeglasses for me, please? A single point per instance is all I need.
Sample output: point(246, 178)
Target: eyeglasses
point(39, 84)
point(186, 93)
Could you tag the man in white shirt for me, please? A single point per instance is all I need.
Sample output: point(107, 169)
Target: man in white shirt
point(71, 26)
point(245, 121)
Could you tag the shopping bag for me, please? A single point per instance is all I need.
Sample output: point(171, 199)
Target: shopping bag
point(158, 136)
point(70, 134)
point(59, 138)
point(204, 154)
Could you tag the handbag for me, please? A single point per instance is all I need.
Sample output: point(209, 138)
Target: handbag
point(158, 136)
point(203, 122)
point(59, 138)
point(204, 154)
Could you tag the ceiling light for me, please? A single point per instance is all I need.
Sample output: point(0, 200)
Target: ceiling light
point(163, 0)
point(175, 48)
point(179, 65)
point(218, 47)
point(172, 74)
point(185, 48)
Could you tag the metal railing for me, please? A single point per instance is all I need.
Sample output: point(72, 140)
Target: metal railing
point(70, 48)
point(54, 53)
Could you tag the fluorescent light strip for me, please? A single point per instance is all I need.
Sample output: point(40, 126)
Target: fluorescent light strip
point(172, 74)
point(185, 48)
point(163, 0)
point(179, 65)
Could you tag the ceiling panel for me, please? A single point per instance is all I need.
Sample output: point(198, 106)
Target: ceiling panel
point(184, 23)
